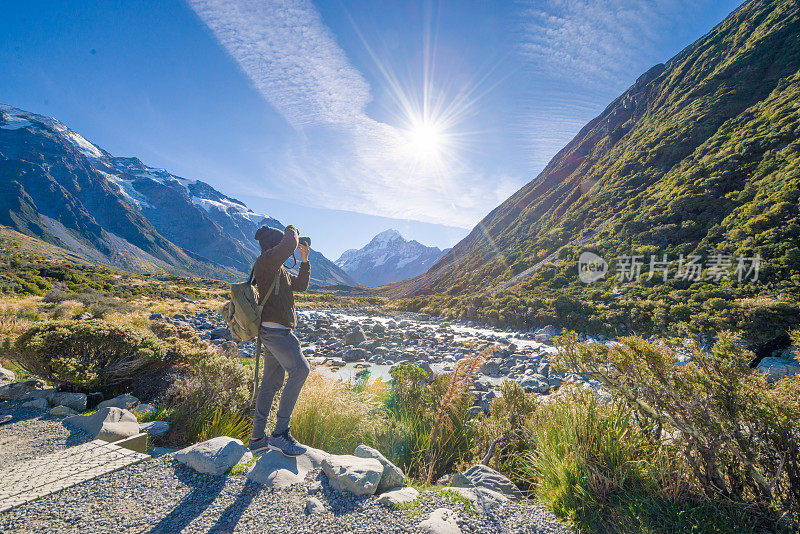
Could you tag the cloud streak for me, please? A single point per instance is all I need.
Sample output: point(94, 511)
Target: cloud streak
point(342, 158)
point(591, 50)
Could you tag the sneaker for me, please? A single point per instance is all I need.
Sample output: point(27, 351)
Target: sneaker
point(286, 444)
point(258, 444)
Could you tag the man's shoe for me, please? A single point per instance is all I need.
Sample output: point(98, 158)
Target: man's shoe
point(258, 444)
point(286, 444)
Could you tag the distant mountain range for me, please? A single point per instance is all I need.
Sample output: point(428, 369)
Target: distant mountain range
point(57, 186)
point(388, 257)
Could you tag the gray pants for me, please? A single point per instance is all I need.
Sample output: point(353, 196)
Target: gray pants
point(282, 356)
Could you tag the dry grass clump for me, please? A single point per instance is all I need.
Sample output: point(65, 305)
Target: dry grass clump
point(337, 417)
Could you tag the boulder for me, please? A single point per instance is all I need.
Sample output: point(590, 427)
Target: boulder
point(143, 410)
point(275, 470)
point(33, 394)
point(398, 496)
point(483, 476)
point(777, 368)
point(392, 477)
point(359, 476)
point(6, 375)
point(441, 521)
point(124, 401)
point(355, 337)
point(482, 499)
point(378, 328)
point(156, 429)
point(314, 506)
point(492, 367)
point(214, 456)
point(36, 404)
point(221, 333)
point(62, 411)
point(76, 401)
point(354, 354)
point(108, 424)
point(534, 383)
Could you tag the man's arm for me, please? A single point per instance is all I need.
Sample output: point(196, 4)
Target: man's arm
point(274, 258)
point(300, 282)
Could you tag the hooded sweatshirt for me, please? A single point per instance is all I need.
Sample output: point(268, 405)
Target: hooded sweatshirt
point(279, 307)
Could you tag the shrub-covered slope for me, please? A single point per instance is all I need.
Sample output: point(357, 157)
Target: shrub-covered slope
point(700, 156)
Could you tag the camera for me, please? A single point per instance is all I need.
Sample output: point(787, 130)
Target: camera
point(305, 241)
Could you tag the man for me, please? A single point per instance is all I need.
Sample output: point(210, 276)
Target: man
point(282, 355)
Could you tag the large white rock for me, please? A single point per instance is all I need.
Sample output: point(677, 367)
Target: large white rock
point(314, 506)
point(36, 404)
point(392, 477)
point(214, 456)
point(62, 411)
point(359, 476)
point(125, 401)
point(143, 410)
point(108, 424)
point(399, 496)
point(777, 368)
point(483, 476)
point(76, 401)
point(6, 375)
point(441, 521)
point(155, 428)
point(275, 470)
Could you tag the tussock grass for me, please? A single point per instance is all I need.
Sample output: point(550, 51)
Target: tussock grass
point(337, 417)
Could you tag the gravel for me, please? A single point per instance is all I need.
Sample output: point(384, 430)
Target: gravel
point(33, 433)
point(161, 495)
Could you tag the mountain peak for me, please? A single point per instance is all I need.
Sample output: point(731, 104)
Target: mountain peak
point(388, 257)
point(387, 235)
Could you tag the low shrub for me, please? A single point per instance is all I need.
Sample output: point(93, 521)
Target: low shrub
point(214, 382)
point(738, 434)
point(90, 355)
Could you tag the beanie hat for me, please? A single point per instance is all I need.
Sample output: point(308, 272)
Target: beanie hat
point(268, 237)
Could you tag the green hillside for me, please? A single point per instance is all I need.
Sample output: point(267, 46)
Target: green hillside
point(701, 156)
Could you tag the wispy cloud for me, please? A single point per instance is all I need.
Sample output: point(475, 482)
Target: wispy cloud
point(588, 52)
point(342, 157)
point(291, 57)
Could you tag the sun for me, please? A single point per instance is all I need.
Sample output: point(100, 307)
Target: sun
point(425, 140)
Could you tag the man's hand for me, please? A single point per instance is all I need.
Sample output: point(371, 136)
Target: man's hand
point(304, 250)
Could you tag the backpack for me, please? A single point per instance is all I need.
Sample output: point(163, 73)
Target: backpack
point(243, 312)
point(243, 315)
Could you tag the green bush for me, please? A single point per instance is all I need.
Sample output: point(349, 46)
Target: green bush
point(739, 434)
point(91, 355)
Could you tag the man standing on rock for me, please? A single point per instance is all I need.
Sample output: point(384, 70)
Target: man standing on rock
point(283, 355)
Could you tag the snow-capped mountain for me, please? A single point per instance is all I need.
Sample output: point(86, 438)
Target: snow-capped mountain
point(58, 186)
point(388, 257)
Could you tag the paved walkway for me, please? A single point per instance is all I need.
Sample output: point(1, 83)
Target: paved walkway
point(26, 481)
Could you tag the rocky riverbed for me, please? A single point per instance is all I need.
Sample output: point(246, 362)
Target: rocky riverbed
point(347, 341)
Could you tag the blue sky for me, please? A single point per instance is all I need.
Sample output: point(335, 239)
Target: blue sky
point(343, 118)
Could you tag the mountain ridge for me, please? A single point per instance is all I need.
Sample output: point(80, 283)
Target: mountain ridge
point(119, 211)
point(698, 156)
point(388, 257)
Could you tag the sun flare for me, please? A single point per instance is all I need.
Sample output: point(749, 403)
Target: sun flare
point(425, 140)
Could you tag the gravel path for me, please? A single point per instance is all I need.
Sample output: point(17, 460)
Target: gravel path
point(31, 434)
point(163, 496)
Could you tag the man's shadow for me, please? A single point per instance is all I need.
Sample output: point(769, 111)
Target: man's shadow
point(205, 490)
point(233, 513)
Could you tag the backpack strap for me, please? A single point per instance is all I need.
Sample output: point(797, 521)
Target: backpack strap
point(272, 288)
